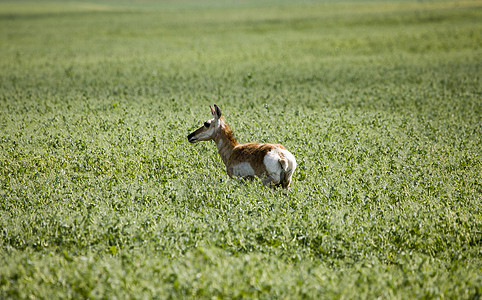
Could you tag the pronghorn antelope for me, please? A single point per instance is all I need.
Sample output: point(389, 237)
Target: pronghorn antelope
point(272, 163)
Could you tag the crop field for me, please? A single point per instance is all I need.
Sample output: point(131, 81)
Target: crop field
point(101, 195)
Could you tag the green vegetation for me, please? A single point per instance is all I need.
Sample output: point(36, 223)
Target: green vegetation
point(101, 196)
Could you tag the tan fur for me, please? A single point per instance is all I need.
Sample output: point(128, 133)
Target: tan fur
point(253, 153)
point(228, 133)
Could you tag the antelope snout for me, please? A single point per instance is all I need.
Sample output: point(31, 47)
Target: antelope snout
point(191, 138)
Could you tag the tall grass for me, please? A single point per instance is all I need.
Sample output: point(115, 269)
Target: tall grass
point(101, 195)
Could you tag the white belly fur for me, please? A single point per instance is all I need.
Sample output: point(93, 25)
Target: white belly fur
point(243, 169)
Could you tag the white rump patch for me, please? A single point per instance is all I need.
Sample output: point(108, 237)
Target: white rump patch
point(272, 163)
point(243, 169)
point(289, 158)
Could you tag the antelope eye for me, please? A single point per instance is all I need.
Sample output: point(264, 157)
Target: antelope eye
point(206, 124)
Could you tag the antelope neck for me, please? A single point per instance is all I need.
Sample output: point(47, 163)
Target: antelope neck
point(225, 142)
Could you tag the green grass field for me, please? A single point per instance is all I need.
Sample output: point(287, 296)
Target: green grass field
point(101, 195)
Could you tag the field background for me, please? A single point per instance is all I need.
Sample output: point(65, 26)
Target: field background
point(101, 196)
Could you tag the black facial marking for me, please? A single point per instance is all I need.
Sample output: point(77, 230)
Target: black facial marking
point(190, 136)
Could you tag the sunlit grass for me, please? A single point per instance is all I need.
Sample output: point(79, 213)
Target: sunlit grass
point(101, 195)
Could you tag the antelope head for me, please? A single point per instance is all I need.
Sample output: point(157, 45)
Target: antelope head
point(210, 128)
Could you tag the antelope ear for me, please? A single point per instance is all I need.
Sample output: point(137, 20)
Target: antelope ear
point(218, 111)
point(213, 112)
